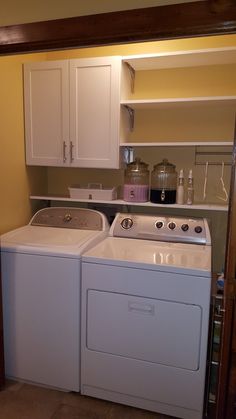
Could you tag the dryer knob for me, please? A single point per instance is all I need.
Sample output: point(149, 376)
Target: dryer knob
point(198, 229)
point(185, 227)
point(126, 223)
point(172, 226)
point(159, 224)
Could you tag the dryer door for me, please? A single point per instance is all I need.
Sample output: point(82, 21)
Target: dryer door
point(144, 329)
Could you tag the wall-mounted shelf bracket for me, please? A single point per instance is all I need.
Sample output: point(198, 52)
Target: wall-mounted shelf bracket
point(131, 116)
point(128, 154)
point(132, 76)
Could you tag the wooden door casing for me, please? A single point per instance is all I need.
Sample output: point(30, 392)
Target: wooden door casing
point(2, 371)
point(226, 391)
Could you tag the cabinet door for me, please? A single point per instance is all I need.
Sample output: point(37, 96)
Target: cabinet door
point(94, 112)
point(46, 89)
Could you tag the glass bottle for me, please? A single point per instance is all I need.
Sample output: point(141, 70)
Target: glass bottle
point(163, 183)
point(136, 182)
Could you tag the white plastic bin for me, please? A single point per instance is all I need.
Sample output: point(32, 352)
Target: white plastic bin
point(93, 191)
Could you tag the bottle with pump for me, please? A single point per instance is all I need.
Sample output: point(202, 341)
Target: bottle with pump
point(190, 188)
point(180, 188)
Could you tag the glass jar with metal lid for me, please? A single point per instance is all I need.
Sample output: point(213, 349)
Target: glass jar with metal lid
point(136, 182)
point(163, 183)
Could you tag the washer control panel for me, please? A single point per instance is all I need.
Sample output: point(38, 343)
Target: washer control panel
point(161, 228)
point(76, 218)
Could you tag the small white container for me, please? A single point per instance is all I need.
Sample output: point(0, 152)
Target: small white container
point(180, 188)
point(93, 191)
point(190, 188)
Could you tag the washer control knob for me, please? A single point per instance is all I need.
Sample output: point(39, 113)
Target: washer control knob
point(172, 225)
point(126, 223)
point(159, 224)
point(198, 229)
point(185, 227)
point(67, 218)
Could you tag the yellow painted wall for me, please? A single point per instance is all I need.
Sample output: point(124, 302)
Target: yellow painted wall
point(147, 47)
point(15, 179)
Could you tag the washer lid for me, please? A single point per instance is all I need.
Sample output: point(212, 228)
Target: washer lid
point(49, 240)
point(172, 257)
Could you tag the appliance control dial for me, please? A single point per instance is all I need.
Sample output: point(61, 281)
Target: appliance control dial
point(159, 224)
point(171, 225)
point(126, 223)
point(185, 227)
point(67, 218)
point(198, 229)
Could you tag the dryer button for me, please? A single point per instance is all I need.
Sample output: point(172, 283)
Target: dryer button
point(198, 229)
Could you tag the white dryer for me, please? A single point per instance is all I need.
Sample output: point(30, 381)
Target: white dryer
point(41, 280)
point(145, 312)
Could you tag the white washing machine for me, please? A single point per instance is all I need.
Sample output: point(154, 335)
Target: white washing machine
point(41, 280)
point(145, 312)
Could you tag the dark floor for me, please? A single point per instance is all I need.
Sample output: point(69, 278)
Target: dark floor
point(24, 401)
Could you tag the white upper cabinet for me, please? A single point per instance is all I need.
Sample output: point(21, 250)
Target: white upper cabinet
point(46, 98)
point(94, 112)
point(72, 112)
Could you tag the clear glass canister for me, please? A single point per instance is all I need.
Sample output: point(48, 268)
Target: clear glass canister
point(163, 183)
point(136, 182)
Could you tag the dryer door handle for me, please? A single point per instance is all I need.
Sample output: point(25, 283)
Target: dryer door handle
point(142, 308)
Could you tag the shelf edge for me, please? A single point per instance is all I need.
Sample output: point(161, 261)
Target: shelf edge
point(178, 144)
point(201, 207)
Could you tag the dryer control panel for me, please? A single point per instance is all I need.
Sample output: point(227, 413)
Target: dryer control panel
point(161, 228)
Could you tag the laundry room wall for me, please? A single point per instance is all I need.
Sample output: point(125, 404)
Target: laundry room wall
point(16, 179)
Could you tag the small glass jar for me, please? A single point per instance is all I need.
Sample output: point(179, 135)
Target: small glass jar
point(163, 183)
point(136, 182)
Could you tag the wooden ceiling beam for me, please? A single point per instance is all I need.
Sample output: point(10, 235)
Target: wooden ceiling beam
point(154, 23)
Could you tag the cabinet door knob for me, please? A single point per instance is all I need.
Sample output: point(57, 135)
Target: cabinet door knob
point(71, 151)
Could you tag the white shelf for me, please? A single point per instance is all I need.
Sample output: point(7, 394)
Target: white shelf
point(201, 207)
point(192, 58)
point(178, 144)
point(178, 102)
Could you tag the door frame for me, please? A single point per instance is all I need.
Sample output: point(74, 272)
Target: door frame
point(183, 20)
